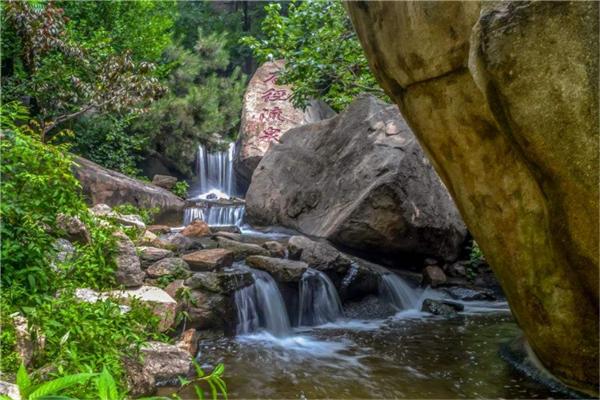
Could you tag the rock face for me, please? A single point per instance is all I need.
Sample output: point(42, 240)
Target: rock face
point(103, 186)
point(129, 272)
point(361, 180)
point(267, 113)
point(503, 96)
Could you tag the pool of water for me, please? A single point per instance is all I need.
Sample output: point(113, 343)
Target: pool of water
point(409, 356)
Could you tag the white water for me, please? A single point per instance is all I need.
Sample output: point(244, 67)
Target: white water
point(319, 300)
point(215, 171)
point(260, 306)
point(215, 215)
point(399, 293)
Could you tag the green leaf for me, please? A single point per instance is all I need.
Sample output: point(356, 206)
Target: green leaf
point(221, 383)
point(213, 388)
point(198, 369)
point(107, 388)
point(199, 392)
point(23, 381)
point(56, 385)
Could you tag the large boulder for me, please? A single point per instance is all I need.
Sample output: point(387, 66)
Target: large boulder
point(503, 96)
point(158, 300)
point(222, 282)
point(281, 270)
point(267, 113)
point(360, 180)
point(196, 228)
point(150, 255)
point(241, 250)
point(209, 260)
point(103, 186)
point(165, 361)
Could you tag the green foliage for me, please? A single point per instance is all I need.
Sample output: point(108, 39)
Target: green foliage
point(145, 213)
point(9, 359)
point(83, 336)
point(201, 102)
point(103, 139)
point(474, 260)
point(324, 57)
point(181, 189)
point(214, 382)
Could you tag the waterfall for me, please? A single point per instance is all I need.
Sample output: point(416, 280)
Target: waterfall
point(319, 301)
point(398, 292)
point(215, 172)
point(260, 305)
point(215, 215)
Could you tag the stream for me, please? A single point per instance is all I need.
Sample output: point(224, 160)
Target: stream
point(411, 355)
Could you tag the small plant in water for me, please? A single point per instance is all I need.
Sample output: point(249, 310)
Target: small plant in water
point(214, 381)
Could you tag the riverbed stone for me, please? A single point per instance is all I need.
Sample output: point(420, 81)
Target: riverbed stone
point(140, 383)
point(228, 235)
point(159, 229)
point(213, 310)
point(503, 96)
point(100, 210)
point(436, 307)
point(197, 228)
point(168, 266)
point(149, 239)
point(347, 181)
point(164, 181)
point(210, 259)
point(129, 272)
point(165, 361)
point(181, 243)
point(369, 307)
point(433, 276)
point(188, 341)
point(241, 250)
point(469, 294)
point(267, 113)
point(74, 229)
point(275, 249)
point(224, 281)
point(130, 220)
point(150, 255)
point(281, 270)
point(455, 270)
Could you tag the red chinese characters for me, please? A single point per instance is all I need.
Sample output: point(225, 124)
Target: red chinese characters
point(274, 95)
point(274, 114)
point(270, 134)
point(272, 78)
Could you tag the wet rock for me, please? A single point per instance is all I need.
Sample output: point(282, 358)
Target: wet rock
point(129, 272)
point(168, 266)
point(150, 255)
point(430, 261)
point(433, 276)
point(162, 305)
point(530, 190)
point(100, 210)
point(172, 289)
point(188, 341)
point(455, 270)
point(362, 279)
point(318, 255)
point(209, 260)
point(281, 270)
point(182, 243)
point(268, 110)
point(370, 307)
point(439, 308)
point(212, 196)
point(223, 282)
point(347, 181)
point(103, 186)
point(197, 228)
point(149, 239)
point(467, 294)
point(213, 310)
point(73, 228)
point(226, 228)
point(159, 229)
point(164, 181)
point(241, 250)
point(228, 235)
point(275, 249)
point(140, 383)
point(165, 361)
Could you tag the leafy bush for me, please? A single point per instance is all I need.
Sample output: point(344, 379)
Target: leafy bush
point(181, 189)
point(9, 358)
point(328, 63)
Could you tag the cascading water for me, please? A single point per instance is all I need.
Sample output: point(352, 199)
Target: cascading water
point(215, 171)
point(399, 293)
point(319, 300)
point(215, 215)
point(260, 305)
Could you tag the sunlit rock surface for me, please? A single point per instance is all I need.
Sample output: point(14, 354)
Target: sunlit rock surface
point(504, 99)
